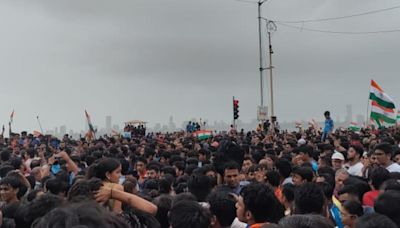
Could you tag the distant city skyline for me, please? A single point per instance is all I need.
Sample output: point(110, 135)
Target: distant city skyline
point(219, 125)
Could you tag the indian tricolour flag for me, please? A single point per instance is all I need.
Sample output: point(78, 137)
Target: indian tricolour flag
point(382, 106)
point(398, 116)
point(202, 134)
point(354, 127)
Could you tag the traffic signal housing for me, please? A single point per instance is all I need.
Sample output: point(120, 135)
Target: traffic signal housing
point(235, 109)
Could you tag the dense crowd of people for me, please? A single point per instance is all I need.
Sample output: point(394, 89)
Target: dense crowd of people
point(263, 178)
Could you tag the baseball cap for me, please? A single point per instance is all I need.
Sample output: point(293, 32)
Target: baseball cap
point(338, 155)
point(301, 142)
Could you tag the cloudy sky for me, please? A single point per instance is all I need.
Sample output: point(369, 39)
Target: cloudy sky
point(150, 59)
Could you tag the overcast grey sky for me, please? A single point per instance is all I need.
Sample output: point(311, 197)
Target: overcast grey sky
point(149, 59)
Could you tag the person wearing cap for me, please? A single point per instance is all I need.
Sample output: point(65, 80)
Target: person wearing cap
point(337, 160)
point(301, 142)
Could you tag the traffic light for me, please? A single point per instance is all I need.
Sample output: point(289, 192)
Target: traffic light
point(235, 109)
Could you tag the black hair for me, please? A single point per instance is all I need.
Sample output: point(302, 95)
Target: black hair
point(261, 201)
point(231, 165)
point(16, 162)
point(204, 151)
point(150, 184)
point(180, 165)
point(350, 189)
point(189, 169)
point(88, 214)
point(169, 170)
point(305, 173)
point(327, 188)
point(308, 199)
point(354, 207)
point(89, 160)
point(153, 167)
point(187, 213)
point(33, 194)
point(388, 204)
point(124, 166)
point(305, 221)
point(5, 169)
point(165, 185)
point(15, 183)
point(358, 149)
point(327, 170)
point(200, 186)
point(100, 169)
point(31, 152)
point(35, 209)
point(306, 150)
point(385, 147)
point(328, 178)
point(273, 178)
point(84, 189)
point(34, 163)
point(222, 205)
point(164, 204)
point(5, 155)
point(288, 191)
point(56, 186)
point(180, 187)
point(183, 197)
point(141, 159)
point(139, 219)
point(375, 220)
point(192, 161)
point(378, 176)
point(327, 113)
point(284, 167)
point(228, 150)
point(327, 160)
point(360, 184)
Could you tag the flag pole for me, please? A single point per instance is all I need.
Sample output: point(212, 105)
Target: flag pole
point(368, 107)
point(40, 125)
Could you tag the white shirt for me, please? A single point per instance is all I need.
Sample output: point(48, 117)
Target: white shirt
point(393, 167)
point(238, 224)
point(356, 169)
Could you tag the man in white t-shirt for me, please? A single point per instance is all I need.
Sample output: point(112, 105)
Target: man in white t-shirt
point(354, 165)
point(383, 153)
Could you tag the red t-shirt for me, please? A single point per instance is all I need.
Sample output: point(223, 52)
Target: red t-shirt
point(369, 198)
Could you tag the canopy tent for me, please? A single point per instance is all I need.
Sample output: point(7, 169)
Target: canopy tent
point(135, 122)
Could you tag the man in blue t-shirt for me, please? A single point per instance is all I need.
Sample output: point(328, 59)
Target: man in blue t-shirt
point(328, 128)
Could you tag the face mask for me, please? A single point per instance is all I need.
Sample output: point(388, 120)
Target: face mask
point(55, 168)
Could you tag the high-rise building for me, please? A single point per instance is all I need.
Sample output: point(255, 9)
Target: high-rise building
point(108, 123)
point(171, 124)
point(360, 119)
point(63, 130)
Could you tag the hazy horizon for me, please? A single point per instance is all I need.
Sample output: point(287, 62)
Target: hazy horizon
point(149, 60)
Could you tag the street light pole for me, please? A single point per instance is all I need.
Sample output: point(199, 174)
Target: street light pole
point(260, 2)
point(271, 27)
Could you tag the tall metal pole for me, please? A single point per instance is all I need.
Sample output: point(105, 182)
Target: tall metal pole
point(260, 2)
point(40, 125)
point(270, 75)
point(271, 26)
